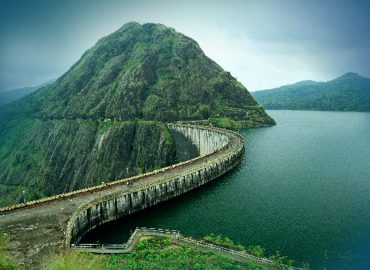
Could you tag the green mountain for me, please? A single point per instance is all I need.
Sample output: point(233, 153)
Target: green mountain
point(143, 72)
point(60, 137)
point(12, 95)
point(349, 92)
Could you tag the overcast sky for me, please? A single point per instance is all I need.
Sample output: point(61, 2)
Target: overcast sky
point(263, 43)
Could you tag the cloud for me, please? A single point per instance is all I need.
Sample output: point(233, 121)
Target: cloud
point(263, 43)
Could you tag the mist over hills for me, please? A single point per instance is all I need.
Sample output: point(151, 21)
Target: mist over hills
point(349, 92)
point(60, 137)
point(15, 94)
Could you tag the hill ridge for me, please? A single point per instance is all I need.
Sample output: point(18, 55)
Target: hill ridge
point(348, 92)
point(143, 71)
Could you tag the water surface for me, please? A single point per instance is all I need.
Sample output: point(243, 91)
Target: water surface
point(303, 188)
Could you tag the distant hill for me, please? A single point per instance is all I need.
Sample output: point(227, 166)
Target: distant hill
point(349, 92)
point(12, 95)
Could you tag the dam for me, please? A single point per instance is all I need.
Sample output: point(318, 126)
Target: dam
point(40, 228)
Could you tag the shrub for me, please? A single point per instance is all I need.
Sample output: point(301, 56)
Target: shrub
point(4, 263)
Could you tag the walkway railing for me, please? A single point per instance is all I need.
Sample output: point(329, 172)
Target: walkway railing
point(177, 238)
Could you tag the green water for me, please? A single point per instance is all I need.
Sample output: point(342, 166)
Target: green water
point(303, 188)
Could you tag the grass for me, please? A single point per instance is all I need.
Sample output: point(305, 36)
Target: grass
point(104, 126)
point(224, 122)
point(77, 261)
point(279, 261)
point(228, 243)
point(152, 253)
point(255, 119)
point(4, 262)
point(223, 241)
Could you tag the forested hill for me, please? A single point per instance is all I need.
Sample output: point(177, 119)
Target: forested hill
point(9, 96)
point(148, 72)
point(349, 92)
point(102, 120)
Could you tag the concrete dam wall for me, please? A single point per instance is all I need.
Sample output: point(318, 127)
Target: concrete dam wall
point(113, 206)
point(41, 228)
point(206, 140)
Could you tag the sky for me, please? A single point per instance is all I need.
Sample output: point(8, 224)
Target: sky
point(263, 43)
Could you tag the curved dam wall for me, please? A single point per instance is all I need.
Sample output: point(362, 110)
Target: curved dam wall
point(40, 228)
point(220, 151)
point(206, 141)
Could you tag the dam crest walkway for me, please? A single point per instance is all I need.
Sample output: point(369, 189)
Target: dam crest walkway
point(41, 228)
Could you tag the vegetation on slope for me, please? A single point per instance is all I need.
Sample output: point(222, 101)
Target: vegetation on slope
point(142, 71)
point(350, 92)
point(279, 261)
point(41, 154)
point(155, 253)
point(256, 120)
point(4, 263)
point(56, 139)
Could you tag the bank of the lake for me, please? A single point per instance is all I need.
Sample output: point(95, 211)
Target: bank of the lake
point(303, 188)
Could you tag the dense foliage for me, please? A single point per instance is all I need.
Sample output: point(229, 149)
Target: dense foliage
point(39, 155)
point(256, 119)
point(349, 92)
point(223, 241)
point(58, 139)
point(280, 262)
point(142, 71)
point(154, 253)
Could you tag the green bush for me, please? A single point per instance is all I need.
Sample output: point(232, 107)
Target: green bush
point(281, 262)
point(4, 262)
point(256, 251)
point(152, 253)
point(223, 241)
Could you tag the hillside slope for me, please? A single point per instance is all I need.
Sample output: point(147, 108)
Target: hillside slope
point(143, 71)
point(349, 92)
point(46, 157)
point(61, 137)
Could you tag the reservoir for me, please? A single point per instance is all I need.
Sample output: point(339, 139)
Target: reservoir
point(303, 188)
